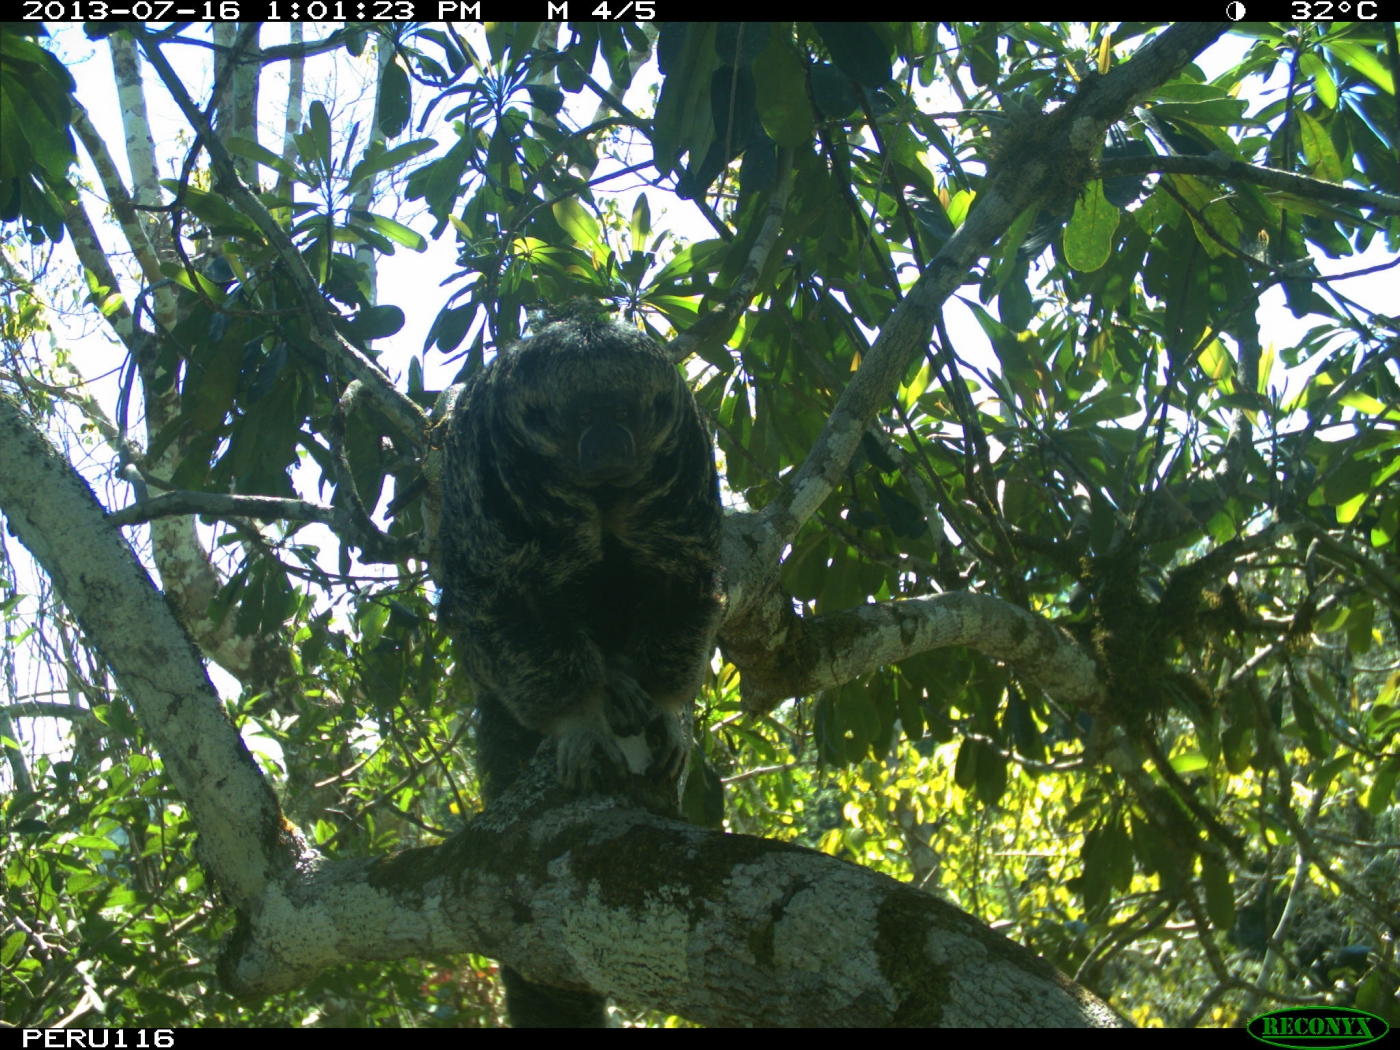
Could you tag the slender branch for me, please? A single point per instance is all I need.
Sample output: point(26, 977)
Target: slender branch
point(43, 709)
point(401, 410)
point(1218, 165)
point(374, 545)
point(259, 508)
point(1077, 131)
point(718, 324)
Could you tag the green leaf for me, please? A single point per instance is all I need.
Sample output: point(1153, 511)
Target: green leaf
point(702, 257)
point(1220, 901)
point(857, 51)
point(319, 138)
point(177, 273)
point(1318, 149)
point(1116, 853)
point(1350, 480)
point(578, 222)
point(376, 322)
point(218, 213)
point(93, 842)
point(1189, 762)
point(683, 122)
point(10, 951)
point(965, 767)
point(640, 226)
point(1216, 362)
point(1364, 402)
point(991, 776)
point(378, 159)
point(1221, 218)
point(450, 328)
point(1363, 60)
point(371, 237)
point(257, 151)
point(1218, 112)
point(1378, 796)
point(780, 82)
point(1323, 85)
point(1089, 235)
point(395, 100)
point(395, 231)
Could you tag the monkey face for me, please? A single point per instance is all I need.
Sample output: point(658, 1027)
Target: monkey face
point(613, 434)
point(607, 447)
point(597, 405)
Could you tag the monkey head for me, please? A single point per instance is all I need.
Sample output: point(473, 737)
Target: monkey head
point(599, 403)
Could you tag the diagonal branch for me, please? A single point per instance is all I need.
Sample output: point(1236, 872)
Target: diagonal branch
point(244, 839)
point(1065, 140)
point(401, 410)
point(1051, 146)
point(719, 322)
point(822, 652)
point(117, 195)
point(1218, 165)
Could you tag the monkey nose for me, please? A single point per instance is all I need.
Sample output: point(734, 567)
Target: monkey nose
point(606, 452)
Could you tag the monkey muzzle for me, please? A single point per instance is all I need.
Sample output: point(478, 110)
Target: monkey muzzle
point(606, 452)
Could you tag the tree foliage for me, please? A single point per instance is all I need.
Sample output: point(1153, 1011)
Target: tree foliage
point(1078, 614)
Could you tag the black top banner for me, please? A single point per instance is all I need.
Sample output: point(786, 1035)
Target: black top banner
point(162, 11)
point(338, 10)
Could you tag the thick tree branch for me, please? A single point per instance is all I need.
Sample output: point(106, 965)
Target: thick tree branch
point(807, 654)
point(244, 839)
point(726, 930)
point(1218, 165)
point(583, 893)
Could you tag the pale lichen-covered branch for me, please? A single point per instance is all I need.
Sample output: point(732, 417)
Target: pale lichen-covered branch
point(725, 930)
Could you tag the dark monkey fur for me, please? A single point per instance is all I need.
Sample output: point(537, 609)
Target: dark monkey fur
point(580, 560)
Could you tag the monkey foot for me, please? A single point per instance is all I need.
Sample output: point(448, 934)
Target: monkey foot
point(585, 746)
point(628, 706)
point(669, 746)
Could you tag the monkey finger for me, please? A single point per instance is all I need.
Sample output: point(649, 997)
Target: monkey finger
point(580, 754)
point(670, 747)
point(627, 705)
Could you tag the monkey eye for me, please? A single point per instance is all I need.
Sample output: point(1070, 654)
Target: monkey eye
point(620, 415)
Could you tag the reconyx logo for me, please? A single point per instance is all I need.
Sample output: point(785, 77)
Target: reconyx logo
point(1312, 1026)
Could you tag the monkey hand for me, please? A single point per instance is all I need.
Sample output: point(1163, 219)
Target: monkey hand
point(668, 745)
point(586, 744)
point(629, 707)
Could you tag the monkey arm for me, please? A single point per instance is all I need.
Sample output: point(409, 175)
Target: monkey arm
point(672, 639)
point(548, 673)
point(534, 657)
